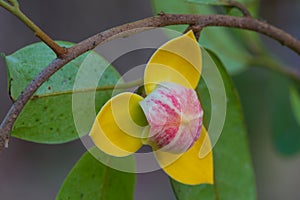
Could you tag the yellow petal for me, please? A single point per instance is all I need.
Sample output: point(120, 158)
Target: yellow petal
point(188, 168)
point(178, 61)
point(119, 125)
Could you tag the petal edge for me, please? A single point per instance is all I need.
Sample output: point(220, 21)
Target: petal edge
point(181, 58)
point(115, 131)
point(189, 168)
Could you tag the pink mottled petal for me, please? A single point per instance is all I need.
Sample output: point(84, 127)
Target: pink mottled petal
point(175, 115)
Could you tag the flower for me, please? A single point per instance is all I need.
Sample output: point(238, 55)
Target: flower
point(169, 119)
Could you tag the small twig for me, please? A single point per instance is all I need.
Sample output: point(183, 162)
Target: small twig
point(151, 22)
point(15, 10)
point(239, 6)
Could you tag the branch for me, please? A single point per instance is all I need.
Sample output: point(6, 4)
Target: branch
point(134, 27)
point(14, 8)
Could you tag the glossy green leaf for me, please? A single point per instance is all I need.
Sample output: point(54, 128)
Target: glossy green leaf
point(295, 102)
point(233, 50)
point(285, 129)
point(234, 176)
point(90, 179)
point(47, 117)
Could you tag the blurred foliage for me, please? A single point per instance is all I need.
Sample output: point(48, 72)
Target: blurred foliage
point(285, 129)
point(295, 102)
point(250, 4)
point(210, 2)
point(266, 101)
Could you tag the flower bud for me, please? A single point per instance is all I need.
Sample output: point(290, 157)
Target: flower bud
point(175, 116)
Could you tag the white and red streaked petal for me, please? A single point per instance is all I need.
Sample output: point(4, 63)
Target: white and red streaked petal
point(175, 115)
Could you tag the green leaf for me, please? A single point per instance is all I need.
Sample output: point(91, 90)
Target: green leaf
point(233, 50)
point(251, 5)
point(90, 179)
point(210, 2)
point(285, 128)
point(47, 118)
point(295, 102)
point(234, 176)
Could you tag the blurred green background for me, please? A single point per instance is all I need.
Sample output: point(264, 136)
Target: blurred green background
point(33, 171)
